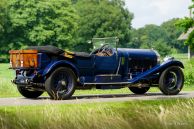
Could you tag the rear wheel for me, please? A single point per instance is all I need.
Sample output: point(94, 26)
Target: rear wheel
point(139, 90)
point(61, 83)
point(27, 93)
point(171, 81)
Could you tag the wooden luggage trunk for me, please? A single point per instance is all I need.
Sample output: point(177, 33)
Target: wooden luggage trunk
point(23, 58)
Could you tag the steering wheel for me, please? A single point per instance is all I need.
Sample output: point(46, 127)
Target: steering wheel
point(102, 48)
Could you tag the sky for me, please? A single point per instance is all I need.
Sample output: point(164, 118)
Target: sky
point(156, 11)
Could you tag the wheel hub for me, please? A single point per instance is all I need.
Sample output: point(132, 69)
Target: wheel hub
point(61, 86)
point(63, 83)
point(172, 80)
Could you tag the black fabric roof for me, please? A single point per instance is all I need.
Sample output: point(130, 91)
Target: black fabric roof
point(56, 51)
point(47, 49)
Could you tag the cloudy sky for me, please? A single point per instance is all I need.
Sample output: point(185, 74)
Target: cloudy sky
point(156, 11)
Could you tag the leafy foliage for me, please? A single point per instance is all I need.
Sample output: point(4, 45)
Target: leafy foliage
point(103, 19)
point(162, 38)
point(172, 33)
point(186, 23)
point(3, 21)
point(40, 22)
point(2, 16)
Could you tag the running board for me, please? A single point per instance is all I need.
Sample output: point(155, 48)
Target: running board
point(109, 83)
point(116, 79)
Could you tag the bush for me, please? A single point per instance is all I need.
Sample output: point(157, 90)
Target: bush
point(189, 72)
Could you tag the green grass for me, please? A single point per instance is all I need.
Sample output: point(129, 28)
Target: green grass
point(5, 72)
point(180, 56)
point(7, 89)
point(152, 114)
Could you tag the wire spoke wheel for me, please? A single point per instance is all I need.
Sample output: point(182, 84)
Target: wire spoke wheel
point(61, 83)
point(171, 80)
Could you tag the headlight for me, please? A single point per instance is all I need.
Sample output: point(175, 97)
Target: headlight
point(158, 57)
point(168, 58)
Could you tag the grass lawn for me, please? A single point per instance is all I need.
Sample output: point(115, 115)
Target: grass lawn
point(157, 114)
point(8, 89)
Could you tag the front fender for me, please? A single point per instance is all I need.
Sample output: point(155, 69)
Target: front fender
point(157, 69)
point(61, 63)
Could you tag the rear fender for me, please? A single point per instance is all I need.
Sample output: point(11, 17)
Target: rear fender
point(53, 65)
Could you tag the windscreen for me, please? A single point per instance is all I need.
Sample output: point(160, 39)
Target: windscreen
point(98, 42)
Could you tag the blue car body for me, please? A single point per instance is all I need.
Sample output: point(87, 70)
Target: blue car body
point(124, 67)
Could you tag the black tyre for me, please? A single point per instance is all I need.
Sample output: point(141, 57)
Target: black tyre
point(171, 80)
point(27, 93)
point(61, 83)
point(139, 90)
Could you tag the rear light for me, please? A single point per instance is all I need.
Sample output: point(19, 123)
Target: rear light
point(22, 63)
point(17, 72)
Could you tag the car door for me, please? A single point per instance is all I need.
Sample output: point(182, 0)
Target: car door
point(105, 64)
point(86, 65)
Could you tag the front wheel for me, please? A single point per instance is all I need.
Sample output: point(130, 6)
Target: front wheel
point(61, 83)
point(171, 80)
point(27, 93)
point(139, 90)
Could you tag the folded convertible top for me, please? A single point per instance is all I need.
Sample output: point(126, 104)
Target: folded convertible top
point(47, 49)
point(56, 51)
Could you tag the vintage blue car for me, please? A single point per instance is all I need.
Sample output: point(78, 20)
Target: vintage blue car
point(59, 73)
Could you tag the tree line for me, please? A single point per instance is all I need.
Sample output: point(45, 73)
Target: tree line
point(71, 24)
point(162, 38)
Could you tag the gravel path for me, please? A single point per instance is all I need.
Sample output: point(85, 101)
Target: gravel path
point(90, 99)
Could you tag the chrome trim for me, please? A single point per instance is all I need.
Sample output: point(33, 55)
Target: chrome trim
point(118, 66)
point(167, 58)
point(113, 83)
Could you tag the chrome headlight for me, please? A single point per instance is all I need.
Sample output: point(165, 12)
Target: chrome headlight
point(158, 57)
point(167, 58)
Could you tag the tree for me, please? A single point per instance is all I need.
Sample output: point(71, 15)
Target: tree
point(3, 20)
point(3, 26)
point(162, 47)
point(151, 37)
point(41, 22)
point(2, 13)
point(173, 32)
point(102, 18)
point(162, 38)
point(135, 41)
point(187, 23)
